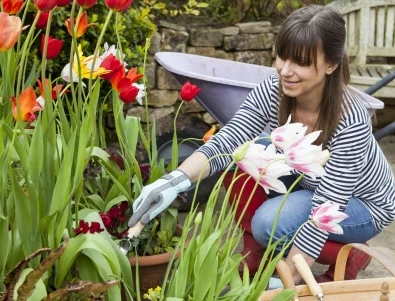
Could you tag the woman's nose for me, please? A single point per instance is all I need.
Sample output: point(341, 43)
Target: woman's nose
point(286, 69)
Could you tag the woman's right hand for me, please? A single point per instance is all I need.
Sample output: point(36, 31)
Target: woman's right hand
point(156, 197)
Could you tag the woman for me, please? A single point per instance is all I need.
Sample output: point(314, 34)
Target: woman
point(311, 85)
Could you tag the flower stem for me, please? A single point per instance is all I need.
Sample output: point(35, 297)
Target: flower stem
point(174, 147)
point(281, 206)
point(19, 84)
point(45, 50)
point(99, 40)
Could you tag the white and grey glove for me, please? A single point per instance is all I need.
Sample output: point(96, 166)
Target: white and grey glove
point(156, 197)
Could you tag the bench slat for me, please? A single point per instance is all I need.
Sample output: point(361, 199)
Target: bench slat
point(389, 30)
point(351, 30)
point(380, 27)
point(372, 26)
point(372, 71)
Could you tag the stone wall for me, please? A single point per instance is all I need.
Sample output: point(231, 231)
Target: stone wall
point(245, 42)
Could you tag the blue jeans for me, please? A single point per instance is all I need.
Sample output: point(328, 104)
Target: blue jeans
point(358, 227)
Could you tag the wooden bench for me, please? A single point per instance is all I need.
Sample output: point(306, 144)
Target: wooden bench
point(370, 41)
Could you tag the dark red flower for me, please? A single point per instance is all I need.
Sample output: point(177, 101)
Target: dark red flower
point(95, 228)
point(129, 94)
point(42, 20)
point(114, 212)
point(54, 47)
point(83, 228)
point(113, 64)
point(86, 3)
point(106, 219)
point(189, 91)
point(122, 234)
point(124, 206)
point(63, 2)
point(118, 5)
point(45, 5)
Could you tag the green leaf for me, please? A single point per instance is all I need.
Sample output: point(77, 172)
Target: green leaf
point(39, 292)
point(35, 155)
point(115, 201)
point(82, 242)
point(285, 295)
point(202, 5)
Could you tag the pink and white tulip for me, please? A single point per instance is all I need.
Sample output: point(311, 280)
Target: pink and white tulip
point(284, 136)
point(305, 157)
point(264, 165)
point(327, 217)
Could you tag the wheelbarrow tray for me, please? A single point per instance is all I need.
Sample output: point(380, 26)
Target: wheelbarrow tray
point(349, 290)
point(225, 84)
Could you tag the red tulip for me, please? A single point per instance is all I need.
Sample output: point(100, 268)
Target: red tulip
point(10, 28)
point(129, 94)
point(86, 3)
point(82, 25)
point(42, 20)
point(54, 47)
point(27, 106)
point(118, 5)
point(133, 75)
point(83, 228)
point(189, 91)
point(111, 63)
point(45, 5)
point(95, 228)
point(54, 91)
point(12, 7)
point(62, 3)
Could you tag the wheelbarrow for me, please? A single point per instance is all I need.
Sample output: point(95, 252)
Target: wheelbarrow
point(224, 86)
point(377, 289)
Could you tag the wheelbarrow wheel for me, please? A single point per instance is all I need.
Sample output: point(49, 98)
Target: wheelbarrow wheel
point(187, 127)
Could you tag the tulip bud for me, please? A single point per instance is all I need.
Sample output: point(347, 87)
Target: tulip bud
point(86, 3)
point(241, 151)
point(54, 47)
point(198, 218)
point(12, 7)
point(42, 21)
point(118, 5)
point(189, 91)
point(62, 3)
point(45, 5)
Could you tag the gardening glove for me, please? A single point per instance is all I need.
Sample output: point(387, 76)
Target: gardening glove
point(156, 197)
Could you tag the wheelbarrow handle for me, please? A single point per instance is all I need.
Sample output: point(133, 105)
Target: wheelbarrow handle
point(304, 270)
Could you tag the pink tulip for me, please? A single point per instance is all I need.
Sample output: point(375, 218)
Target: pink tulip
point(285, 135)
point(263, 164)
point(327, 217)
point(305, 157)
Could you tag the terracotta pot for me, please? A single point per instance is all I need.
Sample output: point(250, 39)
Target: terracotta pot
point(152, 269)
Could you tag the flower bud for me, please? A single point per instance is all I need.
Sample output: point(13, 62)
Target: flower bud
point(198, 218)
point(241, 151)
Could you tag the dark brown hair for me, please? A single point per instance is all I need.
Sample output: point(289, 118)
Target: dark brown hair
point(302, 34)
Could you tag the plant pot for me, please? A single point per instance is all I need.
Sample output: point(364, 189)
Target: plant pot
point(152, 269)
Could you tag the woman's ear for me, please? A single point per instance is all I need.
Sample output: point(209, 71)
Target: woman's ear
point(331, 68)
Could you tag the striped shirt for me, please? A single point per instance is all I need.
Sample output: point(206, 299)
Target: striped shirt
point(357, 167)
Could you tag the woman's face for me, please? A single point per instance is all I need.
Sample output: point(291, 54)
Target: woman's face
point(305, 83)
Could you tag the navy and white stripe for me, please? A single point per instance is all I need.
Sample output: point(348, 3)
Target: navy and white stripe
point(357, 167)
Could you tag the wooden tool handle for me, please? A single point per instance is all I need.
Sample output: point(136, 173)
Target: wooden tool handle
point(304, 270)
point(135, 230)
point(286, 277)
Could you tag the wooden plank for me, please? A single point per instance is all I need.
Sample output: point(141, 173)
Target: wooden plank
point(341, 290)
point(372, 71)
point(380, 27)
point(347, 6)
point(389, 27)
point(362, 71)
point(368, 80)
point(386, 52)
point(382, 71)
point(372, 27)
point(351, 30)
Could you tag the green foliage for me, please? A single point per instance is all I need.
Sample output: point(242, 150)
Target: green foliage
point(232, 11)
